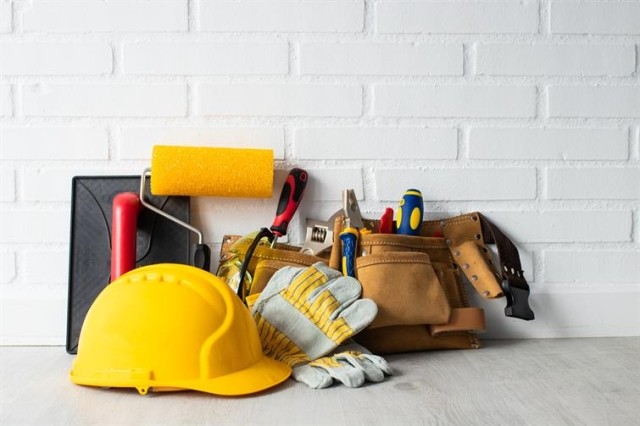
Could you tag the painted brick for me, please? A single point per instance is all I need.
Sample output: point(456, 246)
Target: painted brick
point(7, 267)
point(576, 226)
point(54, 184)
point(352, 143)
point(233, 216)
point(282, 16)
point(589, 101)
point(548, 59)
point(101, 16)
point(591, 183)
point(7, 185)
point(458, 184)
point(136, 143)
point(549, 144)
point(6, 103)
point(456, 17)
point(55, 263)
point(280, 100)
point(577, 17)
point(380, 59)
point(327, 184)
point(46, 58)
point(35, 227)
point(189, 58)
point(619, 267)
point(6, 17)
point(454, 101)
point(54, 143)
point(105, 100)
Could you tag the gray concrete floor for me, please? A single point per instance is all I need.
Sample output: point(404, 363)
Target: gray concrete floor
point(593, 381)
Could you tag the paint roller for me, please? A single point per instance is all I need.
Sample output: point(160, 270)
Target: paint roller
point(188, 171)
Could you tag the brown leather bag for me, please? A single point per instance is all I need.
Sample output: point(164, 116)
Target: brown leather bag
point(416, 282)
point(264, 261)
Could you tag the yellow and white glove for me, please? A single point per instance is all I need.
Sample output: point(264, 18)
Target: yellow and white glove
point(351, 364)
point(303, 314)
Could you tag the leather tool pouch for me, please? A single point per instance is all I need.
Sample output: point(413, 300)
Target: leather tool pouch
point(416, 282)
point(264, 262)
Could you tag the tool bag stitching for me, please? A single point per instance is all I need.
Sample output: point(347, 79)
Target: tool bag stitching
point(369, 262)
point(390, 243)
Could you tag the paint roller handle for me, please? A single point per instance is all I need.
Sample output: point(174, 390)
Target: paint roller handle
point(201, 257)
point(290, 198)
point(124, 218)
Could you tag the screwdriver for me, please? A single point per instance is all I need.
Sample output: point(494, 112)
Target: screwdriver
point(290, 198)
point(410, 213)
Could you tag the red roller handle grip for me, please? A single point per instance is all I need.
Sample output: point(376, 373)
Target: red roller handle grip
point(290, 198)
point(124, 218)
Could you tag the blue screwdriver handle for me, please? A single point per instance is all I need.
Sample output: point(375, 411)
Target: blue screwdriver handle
point(410, 213)
point(349, 238)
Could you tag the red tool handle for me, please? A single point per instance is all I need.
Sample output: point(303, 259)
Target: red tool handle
point(386, 222)
point(290, 198)
point(124, 218)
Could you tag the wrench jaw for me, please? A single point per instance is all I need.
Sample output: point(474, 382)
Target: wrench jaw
point(319, 237)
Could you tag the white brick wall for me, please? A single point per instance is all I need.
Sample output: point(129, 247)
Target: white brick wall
point(528, 111)
point(36, 58)
point(98, 16)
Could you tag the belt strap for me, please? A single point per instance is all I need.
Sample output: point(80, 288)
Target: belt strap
point(514, 285)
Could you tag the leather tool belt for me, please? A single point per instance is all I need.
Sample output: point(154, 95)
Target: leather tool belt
point(416, 281)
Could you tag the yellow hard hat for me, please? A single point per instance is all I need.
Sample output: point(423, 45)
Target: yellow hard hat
point(169, 327)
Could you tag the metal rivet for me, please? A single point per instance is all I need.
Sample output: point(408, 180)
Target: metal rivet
point(449, 242)
point(364, 252)
point(486, 293)
point(474, 217)
point(513, 271)
point(456, 253)
point(477, 236)
point(506, 269)
point(474, 277)
point(465, 266)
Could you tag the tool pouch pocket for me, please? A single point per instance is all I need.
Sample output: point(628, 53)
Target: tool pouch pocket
point(405, 287)
point(264, 262)
point(416, 281)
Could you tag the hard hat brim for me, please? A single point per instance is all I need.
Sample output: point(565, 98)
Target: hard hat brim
point(264, 374)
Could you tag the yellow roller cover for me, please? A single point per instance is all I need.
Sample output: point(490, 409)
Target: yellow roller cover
point(211, 171)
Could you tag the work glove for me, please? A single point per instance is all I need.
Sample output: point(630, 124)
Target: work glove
point(305, 313)
point(351, 364)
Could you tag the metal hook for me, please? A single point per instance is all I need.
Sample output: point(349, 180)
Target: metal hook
point(143, 180)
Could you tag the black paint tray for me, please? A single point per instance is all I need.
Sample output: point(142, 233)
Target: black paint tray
point(159, 240)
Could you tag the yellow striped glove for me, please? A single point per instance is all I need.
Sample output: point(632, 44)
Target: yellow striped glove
point(351, 364)
point(304, 313)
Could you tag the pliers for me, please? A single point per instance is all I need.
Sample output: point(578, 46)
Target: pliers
point(349, 235)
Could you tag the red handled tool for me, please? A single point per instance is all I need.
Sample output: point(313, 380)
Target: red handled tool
point(126, 207)
point(386, 222)
point(290, 198)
